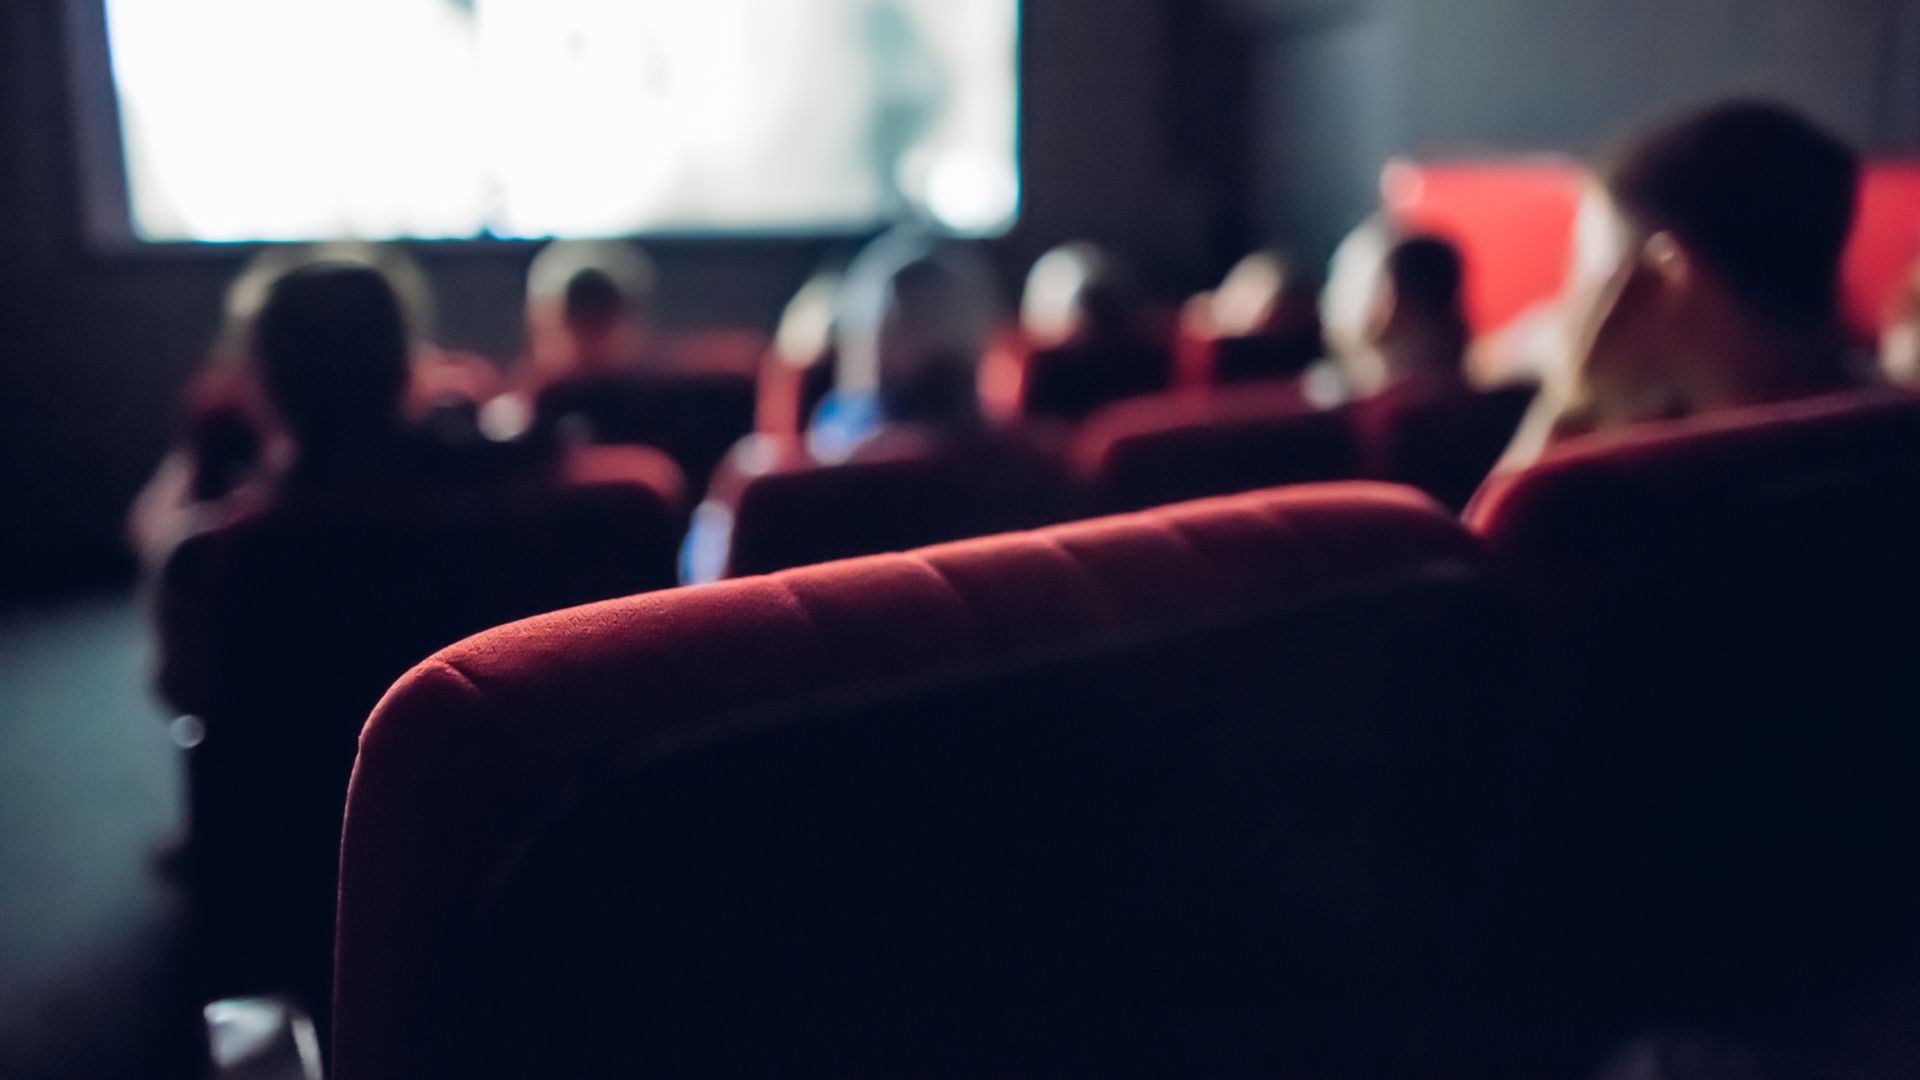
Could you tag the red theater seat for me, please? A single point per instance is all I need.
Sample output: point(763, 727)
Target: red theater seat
point(789, 511)
point(1195, 443)
point(281, 628)
point(695, 417)
point(1443, 444)
point(1735, 606)
point(1185, 792)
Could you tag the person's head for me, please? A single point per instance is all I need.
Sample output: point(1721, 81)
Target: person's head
point(1266, 295)
point(332, 343)
point(1900, 342)
point(1354, 279)
point(1418, 322)
point(589, 305)
point(915, 319)
point(807, 326)
point(1075, 292)
point(1707, 261)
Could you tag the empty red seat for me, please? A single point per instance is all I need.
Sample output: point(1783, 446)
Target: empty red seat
point(1180, 792)
point(787, 510)
point(694, 416)
point(1445, 444)
point(1734, 607)
point(1196, 443)
point(281, 628)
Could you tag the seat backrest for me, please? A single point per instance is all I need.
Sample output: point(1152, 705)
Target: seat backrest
point(1071, 381)
point(695, 417)
point(1733, 603)
point(1257, 357)
point(1443, 444)
point(279, 631)
point(911, 494)
point(1183, 791)
point(1198, 443)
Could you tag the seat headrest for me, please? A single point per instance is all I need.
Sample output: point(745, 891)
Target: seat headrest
point(468, 748)
point(1599, 492)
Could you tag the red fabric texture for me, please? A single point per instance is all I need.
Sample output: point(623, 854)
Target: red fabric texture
point(1595, 492)
point(1204, 442)
point(1727, 606)
point(906, 490)
point(475, 740)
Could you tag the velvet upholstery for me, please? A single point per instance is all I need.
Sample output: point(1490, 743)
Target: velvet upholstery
point(280, 628)
point(1187, 791)
point(906, 490)
point(1731, 605)
point(1197, 443)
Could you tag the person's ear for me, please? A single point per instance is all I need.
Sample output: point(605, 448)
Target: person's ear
point(1670, 264)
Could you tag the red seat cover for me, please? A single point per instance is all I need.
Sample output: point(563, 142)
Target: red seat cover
point(1127, 794)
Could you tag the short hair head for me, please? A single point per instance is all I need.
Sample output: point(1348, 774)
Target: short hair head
point(1754, 191)
point(915, 318)
point(1077, 288)
point(1424, 277)
point(593, 283)
point(333, 347)
point(1427, 273)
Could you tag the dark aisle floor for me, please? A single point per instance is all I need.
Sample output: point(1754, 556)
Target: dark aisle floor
point(92, 940)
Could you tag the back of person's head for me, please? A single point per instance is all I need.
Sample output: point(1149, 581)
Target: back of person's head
point(247, 293)
point(1075, 292)
point(593, 283)
point(589, 303)
point(1758, 195)
point(1706, 269)
point(808, 323)
point(916, 317)
point(332, 343)
point(1266, 294)
point(1354, 279)
point(1421, 317)
point(403, 272)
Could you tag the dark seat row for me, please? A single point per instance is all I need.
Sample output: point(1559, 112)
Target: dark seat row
point(1303, 782)
point(248, 608)
point(787, 511)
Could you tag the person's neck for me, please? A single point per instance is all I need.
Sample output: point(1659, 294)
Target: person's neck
point(1419, 360)
point(1762, 366)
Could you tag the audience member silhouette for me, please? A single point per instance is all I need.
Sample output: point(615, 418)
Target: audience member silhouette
point(914, 321)
point(1417, 331)
point(916, 316)
point(1706, 275)
point(589, 309)
point(1080, 317)
point(1264, 320)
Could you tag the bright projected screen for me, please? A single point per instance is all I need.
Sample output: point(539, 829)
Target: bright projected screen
point(245, 120)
